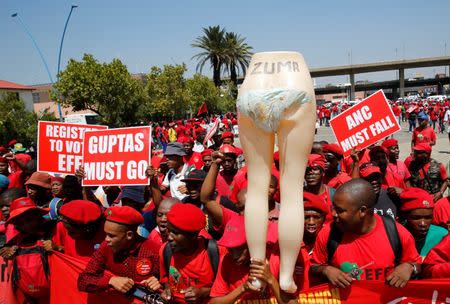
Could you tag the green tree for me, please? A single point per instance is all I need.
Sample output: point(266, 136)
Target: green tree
point(16, 122)
point(107, 89)
point(212, 45)
point(201, 89)
point(166, 91)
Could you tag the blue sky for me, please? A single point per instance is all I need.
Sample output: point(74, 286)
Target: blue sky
point(143, 33)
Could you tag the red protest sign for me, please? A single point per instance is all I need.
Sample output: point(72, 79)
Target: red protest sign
point(117, 156)
point(365, 123)
point(60, 146)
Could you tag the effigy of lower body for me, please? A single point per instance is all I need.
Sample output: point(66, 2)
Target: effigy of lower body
point(276, 98)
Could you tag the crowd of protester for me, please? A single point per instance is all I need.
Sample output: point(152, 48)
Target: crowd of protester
point(182, 238)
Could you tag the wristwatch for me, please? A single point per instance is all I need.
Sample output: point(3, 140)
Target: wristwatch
point(415, 271)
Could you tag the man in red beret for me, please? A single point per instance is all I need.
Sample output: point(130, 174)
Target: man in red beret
point(80, 230)
point(361, 240)
point(128, 257)
point(315, 213)
point(427, 173)
point(228, 139)
point(223, 180)
point(314, 181)
point(56, 183)
point(384, 205)
point(200, 134)
point(334, 177)
point(417, 210)
point(191, 275)
point(395, 165)
point(191, 158)
point(379, 157)
point(207, 159)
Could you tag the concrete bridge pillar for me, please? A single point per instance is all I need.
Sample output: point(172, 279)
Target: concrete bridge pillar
point(401, 78)
point(352, 86)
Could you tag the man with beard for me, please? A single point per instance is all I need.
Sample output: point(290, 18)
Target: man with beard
point(395, 165)
point(427, 173)
point(359, 236)
point(384, 205)
point(128, 257)
point(417, 211)
point(334, 177)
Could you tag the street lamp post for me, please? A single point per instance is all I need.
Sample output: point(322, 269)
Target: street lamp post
point(16, 15)
point(59, 55)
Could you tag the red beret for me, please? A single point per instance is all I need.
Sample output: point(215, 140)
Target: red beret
point(416, 198)
point(187, 217)
point(3, 150)
point(12, 142)
point(228, 149)
point(377, 149)
point(185, 139)
point(207, 152)
point(333, 148)
point(367, 169)
point(199, 130)
point(313, 201)
point(81, 211)
point(124, 215)
point(422, 147)
point(227, 135)
point(316, 160)
point(389, 143)
point(276, 156)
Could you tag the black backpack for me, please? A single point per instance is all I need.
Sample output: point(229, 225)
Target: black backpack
point(391, 230)
point(211, 248)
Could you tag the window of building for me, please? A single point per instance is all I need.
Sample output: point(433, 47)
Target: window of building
point(36, 97)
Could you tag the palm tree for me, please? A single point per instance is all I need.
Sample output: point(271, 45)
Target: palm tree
point(212, 43)
point(237, 55)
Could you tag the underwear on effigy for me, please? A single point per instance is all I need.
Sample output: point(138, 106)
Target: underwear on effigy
point(267, 107)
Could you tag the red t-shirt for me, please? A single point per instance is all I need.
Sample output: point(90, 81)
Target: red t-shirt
point(224, 184)
point(392, 180)
point(194, 160)
point(371, 250)
point(426, 135)
point(327, 199)
point(15, 181)
point(396, 111)
point(80, 249)
point(227, 281)
point(336, 181)
point(437, 262)
point(188, 270)
point(400, 169)
point(155, 237)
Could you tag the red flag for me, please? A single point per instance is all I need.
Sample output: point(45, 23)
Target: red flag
point(64, 271)
point(203, 109)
